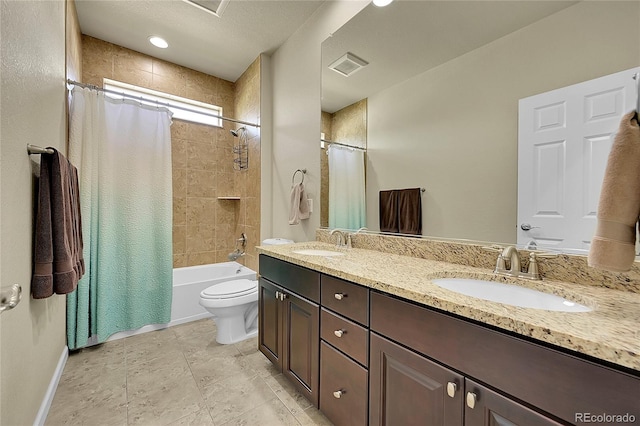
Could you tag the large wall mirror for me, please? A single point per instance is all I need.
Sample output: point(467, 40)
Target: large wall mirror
point(441, 92)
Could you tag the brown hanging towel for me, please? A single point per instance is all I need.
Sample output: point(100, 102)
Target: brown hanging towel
point(410, 211)
point(58, 263)
point(389, 211)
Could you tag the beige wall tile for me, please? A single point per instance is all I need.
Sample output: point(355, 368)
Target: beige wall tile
point(125, 58)
point(201, 183)
point(201, 211)
point(180, 129)
point(99, 67)
point(172, 85)
point(180, 183)
point(201, 156)
point(201, 258)
point(133, 76)
point(200, 238)
point(179, 260)
point(168, 69)
point(179, 239)
point(179, 211)
point(203, 134)
point(178, 153)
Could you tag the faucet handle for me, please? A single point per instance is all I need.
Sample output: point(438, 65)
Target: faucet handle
point(494, 247)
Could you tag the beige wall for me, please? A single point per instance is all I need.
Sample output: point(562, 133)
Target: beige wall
point(453, 130)
point(205, 229)
point(32, 336)
point(295, 84)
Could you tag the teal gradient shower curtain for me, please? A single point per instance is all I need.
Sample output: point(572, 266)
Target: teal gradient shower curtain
point(347, 207)
point(123, 154)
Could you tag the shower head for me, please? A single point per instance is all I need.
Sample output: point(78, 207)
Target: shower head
point(236, 133)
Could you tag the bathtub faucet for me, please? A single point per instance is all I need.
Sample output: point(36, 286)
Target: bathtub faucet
point(234, 255)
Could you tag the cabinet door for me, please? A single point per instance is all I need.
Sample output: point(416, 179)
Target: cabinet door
point(484, 407)
point(408, 389)
point(270, 322)
point(301, 345)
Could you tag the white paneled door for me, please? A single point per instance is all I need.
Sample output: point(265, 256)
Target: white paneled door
point(564, 138)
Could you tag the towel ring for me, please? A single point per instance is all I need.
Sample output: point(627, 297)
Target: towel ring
point(293, 178)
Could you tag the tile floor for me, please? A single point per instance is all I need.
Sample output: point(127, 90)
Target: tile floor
point(177, 376)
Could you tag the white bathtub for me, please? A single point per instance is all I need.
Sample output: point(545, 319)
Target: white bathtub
point(188, 282)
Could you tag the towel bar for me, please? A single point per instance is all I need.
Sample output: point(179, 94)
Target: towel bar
point(32, 149)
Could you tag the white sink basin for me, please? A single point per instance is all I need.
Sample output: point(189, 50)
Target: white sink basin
point(314, 252)
point(510, 294)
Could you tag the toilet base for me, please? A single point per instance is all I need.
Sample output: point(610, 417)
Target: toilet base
point(231, 329)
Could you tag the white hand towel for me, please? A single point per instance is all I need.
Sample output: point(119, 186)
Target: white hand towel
point(299, 205)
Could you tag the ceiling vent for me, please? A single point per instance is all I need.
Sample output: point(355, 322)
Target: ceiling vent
point(214, 7)
point(348, 64)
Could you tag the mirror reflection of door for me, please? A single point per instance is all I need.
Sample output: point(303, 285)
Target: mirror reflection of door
point(342, 162)
point(564, 140)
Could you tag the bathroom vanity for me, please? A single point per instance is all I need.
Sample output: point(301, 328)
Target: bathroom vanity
point(369, 340)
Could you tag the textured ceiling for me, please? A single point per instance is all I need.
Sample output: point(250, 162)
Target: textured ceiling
point(224, 47)
point(408, 37)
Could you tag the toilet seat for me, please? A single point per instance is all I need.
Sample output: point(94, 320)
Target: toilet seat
point(229, 290)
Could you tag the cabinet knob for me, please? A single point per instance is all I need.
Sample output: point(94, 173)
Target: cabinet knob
point(451, 389)
point(339, 296)
point(278, 295)
point(338, 394)
point(283, 296)
point(339, 333)
point(471, 399)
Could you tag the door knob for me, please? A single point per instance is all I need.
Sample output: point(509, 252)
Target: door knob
point(471, 399)
point(527, 227)
point(451, 389)
point(339, 333)
point(339, 296)
point(338, 394)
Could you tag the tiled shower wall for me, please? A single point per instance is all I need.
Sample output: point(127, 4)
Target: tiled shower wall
point(205, 229)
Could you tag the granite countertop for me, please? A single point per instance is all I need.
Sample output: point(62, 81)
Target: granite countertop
point(611, 331)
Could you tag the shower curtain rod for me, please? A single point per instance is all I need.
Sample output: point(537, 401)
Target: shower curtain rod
point(343, 144)
point(138, 98)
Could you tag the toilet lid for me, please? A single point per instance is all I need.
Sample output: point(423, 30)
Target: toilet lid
point(229, 289)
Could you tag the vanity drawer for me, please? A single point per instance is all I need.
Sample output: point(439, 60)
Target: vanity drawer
point(343, 388)
point(297, 279)
point(349, 337)
point(345, 298)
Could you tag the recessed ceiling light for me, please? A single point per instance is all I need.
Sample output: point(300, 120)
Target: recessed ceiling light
point(382, 3)
point(158, 42)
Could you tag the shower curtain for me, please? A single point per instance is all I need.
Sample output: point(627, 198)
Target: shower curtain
point(347, 207)
point(123, 154)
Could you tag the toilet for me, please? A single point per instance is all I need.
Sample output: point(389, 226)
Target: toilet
point(234, 305)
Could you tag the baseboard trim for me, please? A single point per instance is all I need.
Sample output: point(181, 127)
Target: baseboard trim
point(41, 417)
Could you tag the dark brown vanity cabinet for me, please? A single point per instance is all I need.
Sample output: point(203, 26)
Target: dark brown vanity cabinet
point(289, 323)
point(344, 352)
point(366, 357)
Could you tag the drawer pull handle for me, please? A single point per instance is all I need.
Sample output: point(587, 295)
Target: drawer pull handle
point(339, 333)
point(338, 394)
point(451, 389)
point(339, 296)
point(471, 399)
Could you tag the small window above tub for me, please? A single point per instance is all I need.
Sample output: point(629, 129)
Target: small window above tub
point(182, 108)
